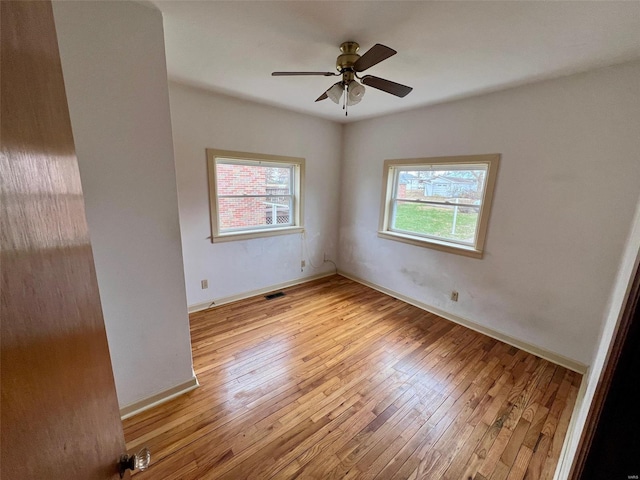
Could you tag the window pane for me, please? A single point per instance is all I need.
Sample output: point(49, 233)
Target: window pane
point(247, 179)
point(238, 213)
point(446, 222)
point(442, 185)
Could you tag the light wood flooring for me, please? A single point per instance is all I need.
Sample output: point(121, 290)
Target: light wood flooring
point(336, 380)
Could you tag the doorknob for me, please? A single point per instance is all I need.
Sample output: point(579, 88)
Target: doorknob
point(138, 461)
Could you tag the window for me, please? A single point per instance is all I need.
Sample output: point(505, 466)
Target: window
point(440, 203)
point(254, 195)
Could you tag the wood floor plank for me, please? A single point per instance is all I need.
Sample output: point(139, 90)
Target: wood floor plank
point(335, 380)
point(522, 460)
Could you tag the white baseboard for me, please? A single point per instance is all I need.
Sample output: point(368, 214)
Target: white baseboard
point(527, 347)
point(159, 398)
point(241, 296)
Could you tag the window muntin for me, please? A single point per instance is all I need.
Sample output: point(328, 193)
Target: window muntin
point(254, 195)
point(440, 202)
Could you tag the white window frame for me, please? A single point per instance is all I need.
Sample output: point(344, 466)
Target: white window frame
point(389, 185)
point(238, 158)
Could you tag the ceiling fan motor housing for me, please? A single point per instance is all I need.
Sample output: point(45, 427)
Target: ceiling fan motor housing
point(349, 56)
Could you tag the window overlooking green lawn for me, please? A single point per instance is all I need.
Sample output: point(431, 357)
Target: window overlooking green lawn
point(435, 221)
point(441, 203)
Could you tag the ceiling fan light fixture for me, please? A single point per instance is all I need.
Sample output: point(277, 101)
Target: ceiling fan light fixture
point(356, 92)
point(335, 93)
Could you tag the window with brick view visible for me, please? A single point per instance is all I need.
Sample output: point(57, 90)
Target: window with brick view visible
point(254, 195)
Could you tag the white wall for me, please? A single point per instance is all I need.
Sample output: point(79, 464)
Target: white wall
point(206, 120)
point(619, 296)
point(566, 193)
point(115, 76)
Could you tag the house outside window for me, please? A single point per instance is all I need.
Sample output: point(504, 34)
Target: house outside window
point(441, 203)
point(254, 195)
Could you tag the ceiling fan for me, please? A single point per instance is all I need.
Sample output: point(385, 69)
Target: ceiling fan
point(348, 65)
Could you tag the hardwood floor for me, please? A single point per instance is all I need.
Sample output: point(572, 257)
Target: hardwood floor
point(336, 380)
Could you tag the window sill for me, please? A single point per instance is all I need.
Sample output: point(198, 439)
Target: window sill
point(272, 232)
point(430, 243)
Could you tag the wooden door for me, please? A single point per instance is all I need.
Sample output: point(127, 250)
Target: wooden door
point(60, 417)
point(615, 450)
point(610, 444)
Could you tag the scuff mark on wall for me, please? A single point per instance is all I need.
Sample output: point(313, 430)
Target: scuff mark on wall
point(419, 278)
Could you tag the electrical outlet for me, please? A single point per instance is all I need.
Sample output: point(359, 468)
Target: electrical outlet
point(303, 264)
point(324, 258)
point(204, 284)
point(454, 296)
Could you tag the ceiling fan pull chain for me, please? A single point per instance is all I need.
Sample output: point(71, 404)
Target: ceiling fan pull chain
point(344, 98)
point(346, 101)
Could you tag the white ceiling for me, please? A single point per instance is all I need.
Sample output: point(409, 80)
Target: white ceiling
point(446, 50)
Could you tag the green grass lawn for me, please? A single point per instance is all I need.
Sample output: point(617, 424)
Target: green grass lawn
point(435, 221)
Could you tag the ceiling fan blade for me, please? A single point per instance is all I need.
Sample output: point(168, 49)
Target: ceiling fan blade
point(386, 85)
point(285, 74)
point(324, 96)
point(373, 56)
